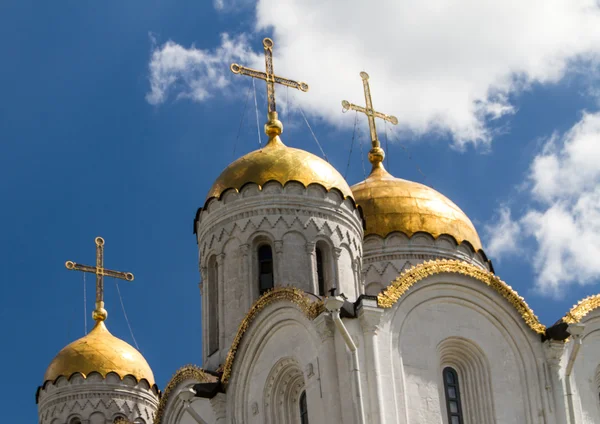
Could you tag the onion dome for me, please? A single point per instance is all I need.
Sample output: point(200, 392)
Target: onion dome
point(101, 352)
point(392, 204)
point(277, 162)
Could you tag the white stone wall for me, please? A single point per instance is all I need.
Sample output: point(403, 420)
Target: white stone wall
point(292, 220)
point(384, 259)
point(96, 400)
point(586, 372)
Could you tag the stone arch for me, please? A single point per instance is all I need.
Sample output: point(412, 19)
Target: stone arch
point(325, 264)
point(282, 391)
point(473, 369)
point(445, 305)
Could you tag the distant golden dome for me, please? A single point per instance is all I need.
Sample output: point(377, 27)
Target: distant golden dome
point(101, 352)
point(277, 162)
point(393, 204)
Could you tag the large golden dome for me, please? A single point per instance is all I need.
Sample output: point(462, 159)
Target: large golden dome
point(101, 352)
point(277, 162)
point(393, 204)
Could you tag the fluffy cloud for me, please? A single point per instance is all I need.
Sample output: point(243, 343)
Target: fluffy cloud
point(193, 73)
point(439, 66)
point(564, 181)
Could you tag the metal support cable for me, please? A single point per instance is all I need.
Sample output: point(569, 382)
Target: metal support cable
point(313, 134)
point(352, 144)
point(362, 156)
point(256, 108)
point(407, 151)
point(84, 305)
point(242, 120)
point(125, 314)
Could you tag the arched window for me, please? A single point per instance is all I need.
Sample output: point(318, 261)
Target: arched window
point(75, 420)
point(213, 305)
point(265, 268)
point(320, 271)
point(303, 408)
point(452, 391)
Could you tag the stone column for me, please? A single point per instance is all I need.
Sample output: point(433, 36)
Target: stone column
point(278, 268)
point(356, 272)
point(336, 269)
point(221, 289)
point(247, 275)
point(219, 403)
point(370, 316)
point(554, 351)
point(312, 267)
point(204, 312)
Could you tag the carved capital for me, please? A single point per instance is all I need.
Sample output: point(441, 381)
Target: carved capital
point(554, 351)
point(218, 404)
point(324, 326)
point(278, 244)
point(337, 251)
point(310, 247)
point(201, 287)
point(370, 317)
point(203, 272)
point(220, 258)
point(245, 249)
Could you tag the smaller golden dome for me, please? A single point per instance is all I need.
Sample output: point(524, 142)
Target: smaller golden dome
point(101, 352)
point(277, 162)
point(393, 204)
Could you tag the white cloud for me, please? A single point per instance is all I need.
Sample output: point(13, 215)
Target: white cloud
point(439, 66)
point(193, 73)
point(565, 222)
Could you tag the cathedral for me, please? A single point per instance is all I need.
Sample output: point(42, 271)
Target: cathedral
point(329, 303)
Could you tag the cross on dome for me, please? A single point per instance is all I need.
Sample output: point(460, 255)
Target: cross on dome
point(376, 155)
point(274, 126)
point(99, 313)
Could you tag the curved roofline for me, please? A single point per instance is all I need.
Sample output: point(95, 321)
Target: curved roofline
point(582, 308)
point(311, 310)
point(260, 187)
point(397, 288)
point(186, 372)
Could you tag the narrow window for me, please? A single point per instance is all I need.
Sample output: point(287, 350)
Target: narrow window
point(455, 415)
point(265, 268)
point(213, 306)
point(320, 272)
point(303, 409)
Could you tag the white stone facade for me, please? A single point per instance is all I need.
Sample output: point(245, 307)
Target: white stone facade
point(385, 258)
point(96, 400)
point(294, 221)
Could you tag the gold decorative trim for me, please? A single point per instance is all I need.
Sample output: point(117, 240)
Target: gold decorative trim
point(311, 309)
point(390, 295)
point(582, 308)
point(188, 372)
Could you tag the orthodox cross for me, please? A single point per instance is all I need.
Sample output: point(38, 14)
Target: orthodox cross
point(369, 111)
point(269, 76)
point(99, 313)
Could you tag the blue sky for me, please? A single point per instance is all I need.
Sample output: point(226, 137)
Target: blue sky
point(116, 118)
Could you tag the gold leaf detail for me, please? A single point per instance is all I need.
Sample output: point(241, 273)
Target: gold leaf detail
point(390, 295)
point(583, 307)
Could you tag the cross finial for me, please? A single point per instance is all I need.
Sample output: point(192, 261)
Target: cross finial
point(376, 154)
point(99, 313)
point(273, 127)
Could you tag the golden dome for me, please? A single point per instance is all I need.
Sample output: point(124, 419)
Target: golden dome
point(393, 204)
point(101, 352)
point(277, 162)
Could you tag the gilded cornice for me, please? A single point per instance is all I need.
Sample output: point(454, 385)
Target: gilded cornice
point(188, 372)
point(582, 308)
point(311, 309)
point(390, 295)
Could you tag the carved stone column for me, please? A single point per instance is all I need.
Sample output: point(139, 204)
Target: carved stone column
point(204, 311)
point(312, 267)
point(221, 288)
point(247, 275)
point(554, 351)
point(336, 268)
point(359, 288)
point(370, 316)
point(219, 404)
point(278, 268)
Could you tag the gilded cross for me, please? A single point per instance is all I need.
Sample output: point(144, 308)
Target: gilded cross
point(99, 313)
point(269, 76)
point(369, 111)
